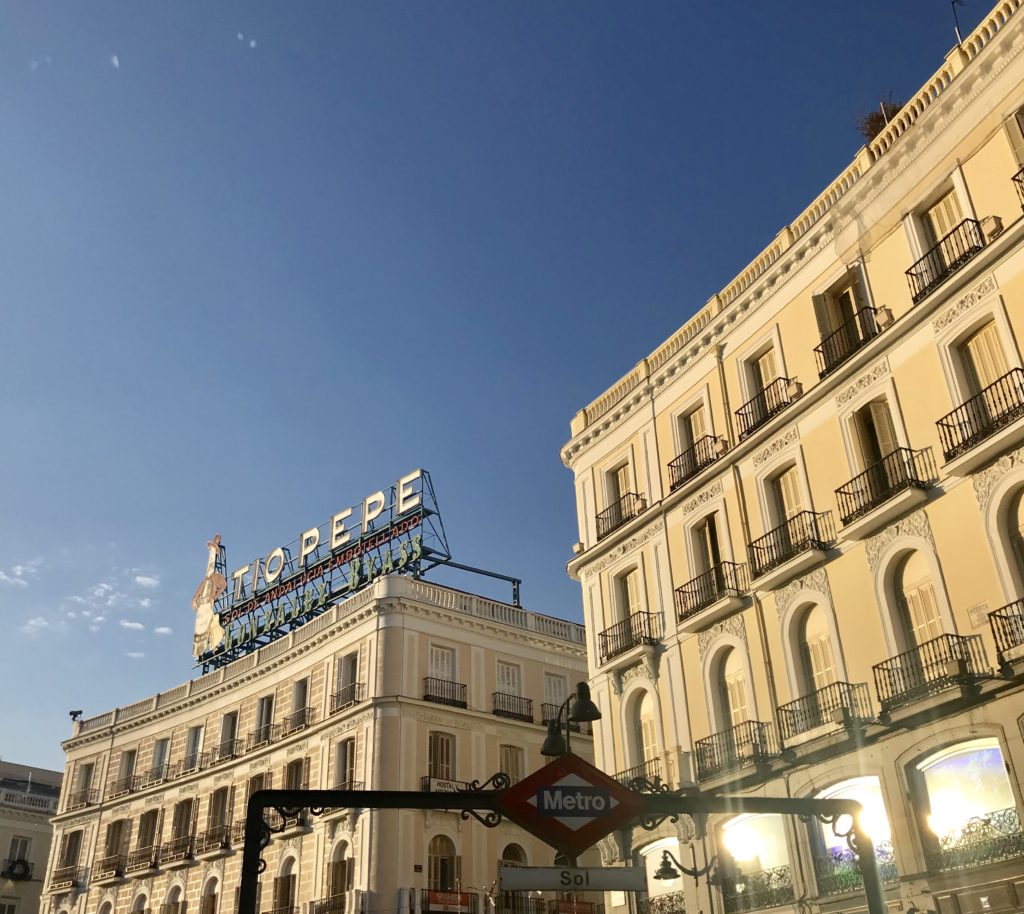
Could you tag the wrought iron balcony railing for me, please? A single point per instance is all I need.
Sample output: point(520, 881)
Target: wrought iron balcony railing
point(649, 771)
point(123, 785)
point(519, 903)
point(639, 628)
point(621, 512)
point(229, 749)
point(216, 837)
point(748, 743)
point(156, 775)
point(838, 872)
point(984, 414)
point(333, 904)
point(845, 340)
point(66, 877)
point(263, 736)
point(348, 695)
point(951, 253)
point(179, 848)
point(143, 858)
point(444, 692)
point(753, 891)
point(932, 667)
point(549, 711)
point(704, 452)
point(298, 720)
point(190, 764)
point(344, 784)
point(669, 903)
point(512, 706)
point(767, 403)
point(982, 839)
point(80, 798)
point(816, 709)
point(1007, 624)
point(902, 469)
point(109, 867)
point(803, 531)
point(726, 579)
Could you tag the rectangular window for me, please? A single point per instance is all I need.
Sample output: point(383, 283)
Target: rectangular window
point(148, 829)
point(296, 774)
point(922, 613)
point(220, 808)
point(619, 483)
point(85, 771)
point(348, 672)
point(512, 762)
point(442, 663)
point(257, 782)
point(116, 841)
point(736, 695)
point(8, 907)
point(193, 748)
point(764, 370)
point(707, 553)
point(692, 427)
point(300, 695)
point(786, 494)
point(441, 756)
point(345, 764)
point(70, 848)
point(284, 892)
point(509, 678)
point(161, 750)
point(983, 359)
point(128, 758)
point(228, 731)
point(875, 433)
point(556, 689)
point(20, 847)
point(264, 718)
point(183, 819)
point(629, 594)
point(942, 217)
point(819, 661)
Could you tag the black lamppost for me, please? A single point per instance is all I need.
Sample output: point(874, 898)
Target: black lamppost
point(671, 868)
point(584, 709)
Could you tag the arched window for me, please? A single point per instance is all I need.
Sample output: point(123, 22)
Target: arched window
point(917, 609)
point(815, 660)
point(731, 689)
point(209, 896)
point(341, 874)
point(755, 865)
point(835, 868)
point(286, 886)
point(442, 864)
point(513, 855)
point(174, 904)
point(1014, 536)
point(967, 807)
point(106, 908)
point(140, 904)
point(644, 733)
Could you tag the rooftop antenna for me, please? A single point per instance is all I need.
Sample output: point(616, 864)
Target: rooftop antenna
point(956, 20)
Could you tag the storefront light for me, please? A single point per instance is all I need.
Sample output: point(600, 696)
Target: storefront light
point(951, 812)
point(743, 842)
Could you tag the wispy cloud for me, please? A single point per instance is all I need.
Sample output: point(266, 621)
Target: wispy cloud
point(149, 581)
point(135, 655)
point(115, 61)
point(161, 630)
point(20, 574)
point(132, 626)
point(35, 625)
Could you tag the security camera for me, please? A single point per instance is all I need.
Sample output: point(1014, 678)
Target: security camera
point(74, 715)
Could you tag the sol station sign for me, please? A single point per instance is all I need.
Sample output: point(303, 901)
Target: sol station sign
point(570, 804)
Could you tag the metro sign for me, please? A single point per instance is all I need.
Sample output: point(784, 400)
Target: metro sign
point(570, 804)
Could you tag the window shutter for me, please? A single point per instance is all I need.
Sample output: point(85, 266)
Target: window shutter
point(943, 217)
point(881, 419)
point(766, 369)
point(787, 488)
point(229, 814)
point(697, 425)
point(305, 773)
point(983, 358)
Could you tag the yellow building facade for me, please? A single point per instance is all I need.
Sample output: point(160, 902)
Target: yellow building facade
point(406, 685)
point(800, 527)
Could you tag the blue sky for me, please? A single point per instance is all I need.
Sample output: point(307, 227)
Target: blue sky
point(259, 259)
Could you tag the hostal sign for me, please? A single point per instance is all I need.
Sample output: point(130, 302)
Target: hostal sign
point(388, 531)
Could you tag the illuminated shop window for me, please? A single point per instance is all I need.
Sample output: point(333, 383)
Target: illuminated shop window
point(756, 871)
point(970, 813)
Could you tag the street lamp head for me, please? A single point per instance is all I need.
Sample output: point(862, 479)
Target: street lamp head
point(666, 870)
point(554, 744)
point(584, 708)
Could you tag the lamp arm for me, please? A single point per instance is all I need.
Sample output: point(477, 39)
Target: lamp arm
point(565, 710)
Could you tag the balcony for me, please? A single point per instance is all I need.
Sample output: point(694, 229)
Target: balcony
point(984, 425)
point(1007, 624)
point(839, 873)
point(229, 749)
point(767, 404)
point(830, 708)
point(66, 877)
point(748, 743)
point(710, 596)
point(954, 251)
point(621, 512)
point(846, 340)
point(549, 711)
point(513, 707)
point(81, 798)
point(946, 662)
point(980, 840)
point(442, 785)
point(16, 869)
point(791, 548)
point(519, 903)
point(190, 764)
point(444, 692)
point(335, 904)
point(156, 775)
point(217, 840)
point(108, 870)
point(122, 786)
point(669, 903)
point(298, 720)
point(33, 802)
point(143, 861)
point(688, 464)
point(348, 695)
point(648, 771)
point(884, 491)
point(263, 736)
point(753, 891)
point(177, 852)
point(639, 628)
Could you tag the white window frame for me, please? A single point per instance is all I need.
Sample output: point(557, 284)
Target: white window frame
point(455, 660)
point(841, 278)
point(770, 338)
point(790, 456)
point(883, 390)
point(616, 576)
point(699, 399)
point(690, 536)
point(623, 457)
point(913, 222)
point(510, 664)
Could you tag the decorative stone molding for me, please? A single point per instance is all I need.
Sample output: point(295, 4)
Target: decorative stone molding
point(871, 376)
point(351, 724)
point(964, 304)
point(624, 548)
point(731, 626)
point(702, 497)
point(914, 524)
point(790, 436)
point(298, 748)
point(984, 481)
point(816, 579)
